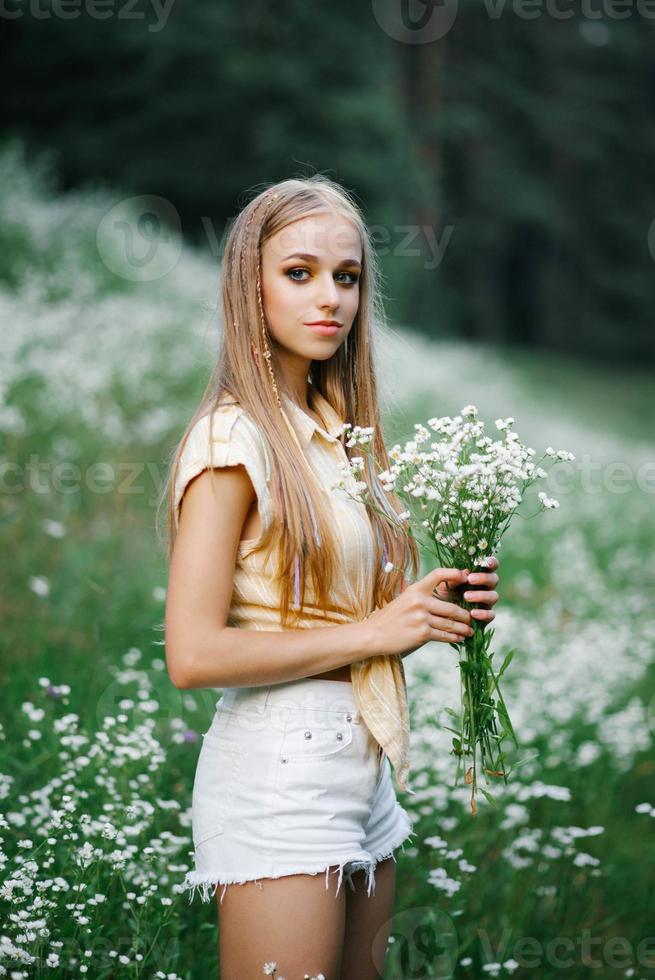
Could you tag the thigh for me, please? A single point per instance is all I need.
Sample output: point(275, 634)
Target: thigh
point(368, 921)
point(294, 921)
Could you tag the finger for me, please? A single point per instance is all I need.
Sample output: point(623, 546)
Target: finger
point(450, 626)
point(441, 636)
point(488, 598)
point(455, 575)
point(483, 615)
point(482, 579)
point(449, 610)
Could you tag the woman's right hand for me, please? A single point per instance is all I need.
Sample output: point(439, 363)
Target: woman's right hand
point(417, 616)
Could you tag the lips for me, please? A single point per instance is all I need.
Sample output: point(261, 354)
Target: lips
point(324, 329)
point(324, 323)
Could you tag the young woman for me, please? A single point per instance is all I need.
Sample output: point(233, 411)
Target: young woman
point(279, 596)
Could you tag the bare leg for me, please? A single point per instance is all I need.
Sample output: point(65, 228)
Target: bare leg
point(294, 921)
point(365, 918)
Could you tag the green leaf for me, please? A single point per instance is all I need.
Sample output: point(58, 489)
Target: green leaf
point(522, 762)
point(489, 796)
point(506, 662)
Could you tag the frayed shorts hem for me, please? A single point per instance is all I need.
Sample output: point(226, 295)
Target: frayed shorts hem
point(202, 882)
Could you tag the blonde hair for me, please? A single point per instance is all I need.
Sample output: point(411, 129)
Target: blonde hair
point(246, 370)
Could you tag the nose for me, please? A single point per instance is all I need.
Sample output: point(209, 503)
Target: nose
point(328, 294)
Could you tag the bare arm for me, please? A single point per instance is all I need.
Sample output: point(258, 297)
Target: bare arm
point(201, 650)
point(234, 657)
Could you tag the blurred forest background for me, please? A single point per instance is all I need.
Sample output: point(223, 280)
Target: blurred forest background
point(506, 165)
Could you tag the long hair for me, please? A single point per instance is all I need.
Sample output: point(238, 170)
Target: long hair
point(247, 371)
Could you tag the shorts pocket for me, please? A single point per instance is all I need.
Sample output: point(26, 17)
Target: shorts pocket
point(217, 777)
point(307, 741)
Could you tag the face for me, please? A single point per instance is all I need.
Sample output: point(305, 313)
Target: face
point(310, 272)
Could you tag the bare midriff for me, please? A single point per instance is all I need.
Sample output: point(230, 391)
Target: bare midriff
point(339, 674)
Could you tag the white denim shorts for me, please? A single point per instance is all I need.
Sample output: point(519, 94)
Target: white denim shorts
point(291, 781)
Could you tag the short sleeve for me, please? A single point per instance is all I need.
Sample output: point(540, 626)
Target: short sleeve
point(235, 439)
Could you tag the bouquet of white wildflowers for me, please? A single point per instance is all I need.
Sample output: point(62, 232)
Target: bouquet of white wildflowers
point(461, 489)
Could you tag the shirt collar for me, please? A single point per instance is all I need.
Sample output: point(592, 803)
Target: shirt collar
point(305, 426)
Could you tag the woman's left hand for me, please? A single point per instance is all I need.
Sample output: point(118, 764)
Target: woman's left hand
point(477, 590)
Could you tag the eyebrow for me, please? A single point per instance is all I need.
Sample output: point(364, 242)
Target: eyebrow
point(314, 258)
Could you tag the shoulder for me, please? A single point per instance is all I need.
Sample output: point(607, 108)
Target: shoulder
point(228, 425)
point(226, 436)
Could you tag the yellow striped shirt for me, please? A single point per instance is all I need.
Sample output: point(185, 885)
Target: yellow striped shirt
point(379, 683)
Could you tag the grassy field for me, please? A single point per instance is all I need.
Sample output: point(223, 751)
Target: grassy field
point(99, 749)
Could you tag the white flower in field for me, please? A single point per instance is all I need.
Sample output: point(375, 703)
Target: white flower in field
point(582, 859)
point(404, 516)
point(39, 585)
point(564, 454)
point(548, 502)
point(54, 528)
point(34, 714)
point(388, 567)
point(84, 855)
point(469, 411)
point(270, 968)
point(550, 451)
point(132, 656)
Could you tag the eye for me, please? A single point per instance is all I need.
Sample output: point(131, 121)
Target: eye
point(354, 277)
point(293, 279)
